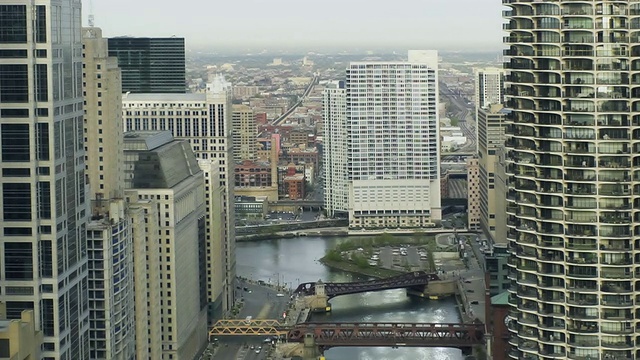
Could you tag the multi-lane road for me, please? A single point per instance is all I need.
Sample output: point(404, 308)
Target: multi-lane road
point(462, 110)
point(260, 302)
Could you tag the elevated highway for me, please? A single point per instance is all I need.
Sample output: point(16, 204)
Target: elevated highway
point(306, 93)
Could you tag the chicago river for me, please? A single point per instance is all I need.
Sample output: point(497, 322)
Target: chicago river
point(288, 262)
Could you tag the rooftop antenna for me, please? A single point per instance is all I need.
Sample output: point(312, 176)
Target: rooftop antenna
point(91, 18)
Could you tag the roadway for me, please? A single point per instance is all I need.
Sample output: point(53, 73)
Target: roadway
point(306, 93)
point(462, 111)
point(260, 302)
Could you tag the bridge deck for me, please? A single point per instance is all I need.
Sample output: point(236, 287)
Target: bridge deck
point(248, 328)
point(416, 278)
point(390, 334)
point(328, 335)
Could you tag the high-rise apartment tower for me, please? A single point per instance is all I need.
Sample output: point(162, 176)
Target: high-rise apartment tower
point(393, 142)
point(489, 87)
point(43, 245)
point(334, 107)
point(573, 178)
point(244, 133)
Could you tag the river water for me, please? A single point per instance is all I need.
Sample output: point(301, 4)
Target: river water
point(295, 260)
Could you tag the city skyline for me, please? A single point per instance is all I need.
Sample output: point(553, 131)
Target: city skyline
point(280, 24)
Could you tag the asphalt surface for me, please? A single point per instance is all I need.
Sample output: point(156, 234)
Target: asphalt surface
point(260, 302)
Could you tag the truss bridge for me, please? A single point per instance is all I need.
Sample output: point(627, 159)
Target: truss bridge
point(408, 280)
point(327, 335)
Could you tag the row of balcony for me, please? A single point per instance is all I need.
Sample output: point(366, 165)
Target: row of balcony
point(555, 9)
point(532, 214)
point(550, 242)
point(586, 23)
point(546, 123)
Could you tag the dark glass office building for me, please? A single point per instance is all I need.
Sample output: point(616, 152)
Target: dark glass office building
point(43, 203)
point(150, 65)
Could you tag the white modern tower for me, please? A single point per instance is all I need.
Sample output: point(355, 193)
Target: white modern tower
point(334, 107)
point(573, 178)
point(393, 142)
point(44, 202)
point(489, 87)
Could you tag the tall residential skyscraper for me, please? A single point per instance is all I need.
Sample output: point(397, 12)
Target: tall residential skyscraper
point(244, 133)
point(489, 87)
point(203, 119)
point(43, 247)
point(334, 116)
point(109, 238)
point(393, 142)
point(150, 65)
point(573, 178)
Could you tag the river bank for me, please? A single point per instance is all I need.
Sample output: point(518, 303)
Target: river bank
point(375, 272)
point(320, 232)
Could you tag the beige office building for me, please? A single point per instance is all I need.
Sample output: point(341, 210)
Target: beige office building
point(244, 133)
point(109, 241)
point(473, 194)
point(215, 239)
point(204, 120)
point(491, 130)
point(19, 338)
point(165, 172)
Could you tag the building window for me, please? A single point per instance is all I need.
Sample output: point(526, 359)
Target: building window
point(16, 199)
point(18, 261)
point(14, 83)
point(13, 24)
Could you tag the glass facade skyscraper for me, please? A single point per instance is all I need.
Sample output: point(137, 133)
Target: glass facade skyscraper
point(573, 179)
point(43, 247)
point(150, 65)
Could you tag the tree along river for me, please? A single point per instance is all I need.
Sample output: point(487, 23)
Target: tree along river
point(295, 260)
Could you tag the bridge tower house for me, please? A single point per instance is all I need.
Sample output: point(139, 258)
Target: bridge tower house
point(320, 301)
point(310, 351)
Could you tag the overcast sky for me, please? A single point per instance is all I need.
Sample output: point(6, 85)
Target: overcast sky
point(277, 24)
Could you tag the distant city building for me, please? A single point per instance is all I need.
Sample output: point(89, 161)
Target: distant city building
point(253, 174)
point(304, 136)
point(19, 338)
point(109, 238)
point(473, 194)
point(251, 207)
point(300, 155)
point(45, 208)
point(244, 133)
point(294, 184)
point(334, 137)
point(150, 65)
point(242, 92)
point(261, 118)
point(166, 172)
point(393, 160)
point(489, 87)
point(491, 136)
point(203, 119)
point(496, 266)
